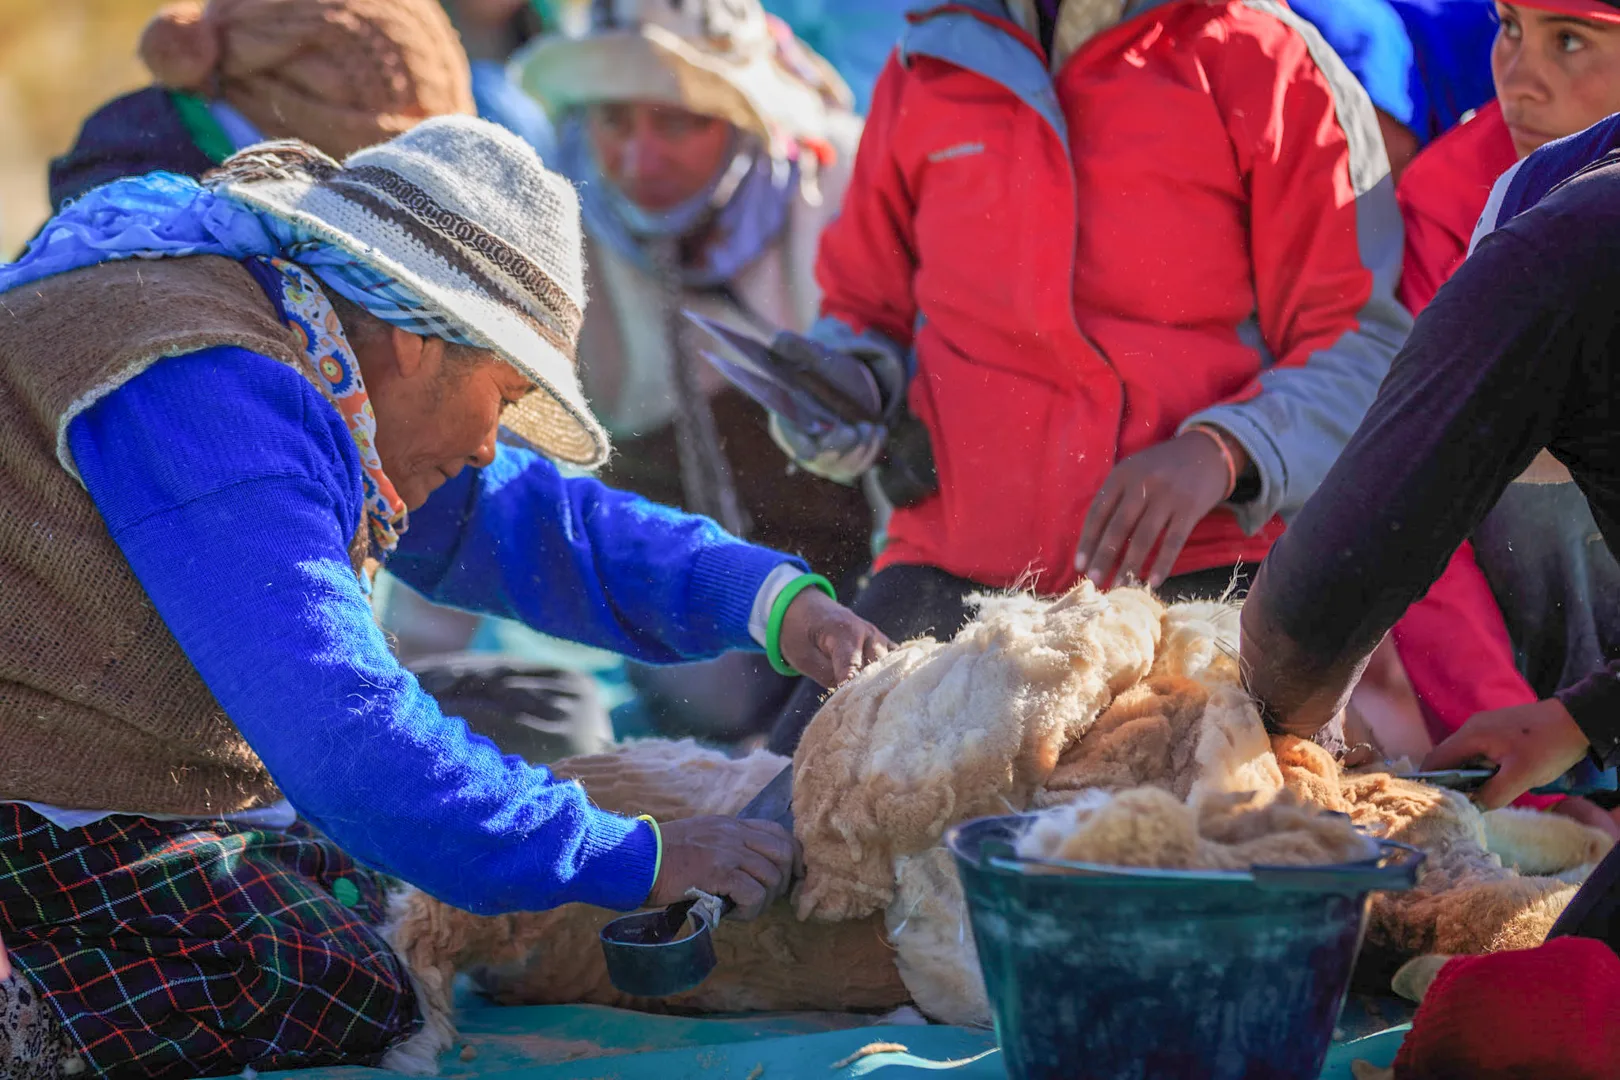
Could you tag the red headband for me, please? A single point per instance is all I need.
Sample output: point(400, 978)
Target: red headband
point(1594, 10)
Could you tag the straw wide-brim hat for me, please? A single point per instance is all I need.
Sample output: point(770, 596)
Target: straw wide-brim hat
point(462, 214)
point(717, 58)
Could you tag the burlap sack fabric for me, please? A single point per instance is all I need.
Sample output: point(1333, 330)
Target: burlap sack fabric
point(98, 704)
point(338, 74)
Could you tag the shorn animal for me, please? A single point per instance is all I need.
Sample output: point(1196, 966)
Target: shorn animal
point(1111, 715)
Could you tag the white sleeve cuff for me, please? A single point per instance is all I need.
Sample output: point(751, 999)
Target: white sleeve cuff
point(759, 616)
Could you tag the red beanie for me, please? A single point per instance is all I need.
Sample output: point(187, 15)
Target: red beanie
point(1552, 1011)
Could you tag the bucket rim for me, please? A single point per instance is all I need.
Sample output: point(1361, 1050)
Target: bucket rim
point(1390, 866)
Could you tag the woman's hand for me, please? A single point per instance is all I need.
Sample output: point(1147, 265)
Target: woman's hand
point(5, 963)
point(1531, 744)
point(1154, 499)
point(826, 641)
point(749, 861)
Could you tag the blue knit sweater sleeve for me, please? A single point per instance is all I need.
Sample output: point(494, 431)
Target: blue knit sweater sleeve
point(233, 490)
point(578, 560)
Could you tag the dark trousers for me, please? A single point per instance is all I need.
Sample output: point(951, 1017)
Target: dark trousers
point(910, 601)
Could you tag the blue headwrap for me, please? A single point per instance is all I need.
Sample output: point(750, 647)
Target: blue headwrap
point(162, 215)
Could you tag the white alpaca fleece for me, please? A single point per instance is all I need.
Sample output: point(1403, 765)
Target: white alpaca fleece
point(1126, 720)
point(934, 950)
point(1465, 901)
point(937, 733)
point(1150, 827)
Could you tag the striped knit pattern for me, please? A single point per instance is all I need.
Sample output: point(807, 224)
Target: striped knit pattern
point(184, 949)
point(463, 216)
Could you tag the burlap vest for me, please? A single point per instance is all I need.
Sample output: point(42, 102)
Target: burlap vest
point(99, 707)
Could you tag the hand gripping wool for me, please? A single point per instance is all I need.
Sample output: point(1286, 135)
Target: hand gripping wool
point(936, 733)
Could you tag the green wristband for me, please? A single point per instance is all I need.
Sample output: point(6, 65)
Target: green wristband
point(658, 839)
point(773, 628)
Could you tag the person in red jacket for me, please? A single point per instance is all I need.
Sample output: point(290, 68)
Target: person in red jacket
point(1138, 260)
point(1556, 65)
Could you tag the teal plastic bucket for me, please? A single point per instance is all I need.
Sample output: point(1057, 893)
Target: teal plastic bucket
point(1130, 974)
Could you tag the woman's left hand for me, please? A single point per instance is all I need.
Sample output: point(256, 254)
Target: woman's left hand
point(1531, 744)
point(826, 641)
point(1153, 499)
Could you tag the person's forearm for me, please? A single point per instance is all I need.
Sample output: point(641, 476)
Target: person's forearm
point(294, 658)
point(1594, 702)
point(1471, 398)
point(572, 558)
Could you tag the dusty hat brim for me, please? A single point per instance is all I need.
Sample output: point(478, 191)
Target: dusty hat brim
point(556, 418)
point(650, 63)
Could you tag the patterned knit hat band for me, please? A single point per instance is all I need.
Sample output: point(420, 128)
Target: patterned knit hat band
point(463, 216)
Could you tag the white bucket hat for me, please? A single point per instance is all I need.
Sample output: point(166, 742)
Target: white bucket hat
point(463, 214)
point(720, 58)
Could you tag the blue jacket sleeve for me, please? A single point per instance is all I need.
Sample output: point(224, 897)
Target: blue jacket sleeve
point(237, 519)
point(578, 560)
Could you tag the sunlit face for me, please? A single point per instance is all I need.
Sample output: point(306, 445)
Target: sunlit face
point(1555, 74)
point(658, 156)
point(438, 410)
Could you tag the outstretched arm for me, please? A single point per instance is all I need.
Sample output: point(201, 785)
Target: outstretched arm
point(237, 523)
point(1479, 388)
point(582, 561)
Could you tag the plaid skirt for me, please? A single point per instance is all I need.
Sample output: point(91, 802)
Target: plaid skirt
point(189, 949)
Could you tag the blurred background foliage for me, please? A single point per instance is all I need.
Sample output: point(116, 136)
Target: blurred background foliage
point(59, 59)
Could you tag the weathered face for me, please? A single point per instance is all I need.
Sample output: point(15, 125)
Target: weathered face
point(438, 407)
point(1555, 74)
point(658, 156)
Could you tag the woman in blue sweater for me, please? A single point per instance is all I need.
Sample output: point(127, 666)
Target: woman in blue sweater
point(220, 407)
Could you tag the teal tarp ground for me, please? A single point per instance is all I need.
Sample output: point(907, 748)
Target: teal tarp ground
point(587, 1042)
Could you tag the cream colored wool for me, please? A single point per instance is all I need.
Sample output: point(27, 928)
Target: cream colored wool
point(1535, 843)
point(933, 941)
point(1200, 642)
point(937, 733)
point(1466, 901)
point(1189, 727)
point(1127, 719)
point(1152, 827)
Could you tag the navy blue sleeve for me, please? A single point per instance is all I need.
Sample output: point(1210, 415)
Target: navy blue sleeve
point(1514, 354)
point(233, 490)
point(1531, 180)
point(578, 560)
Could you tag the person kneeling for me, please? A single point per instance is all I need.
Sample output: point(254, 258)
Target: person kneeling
point(220, 405)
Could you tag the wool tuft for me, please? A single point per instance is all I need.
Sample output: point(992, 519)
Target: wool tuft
point(936, 733)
